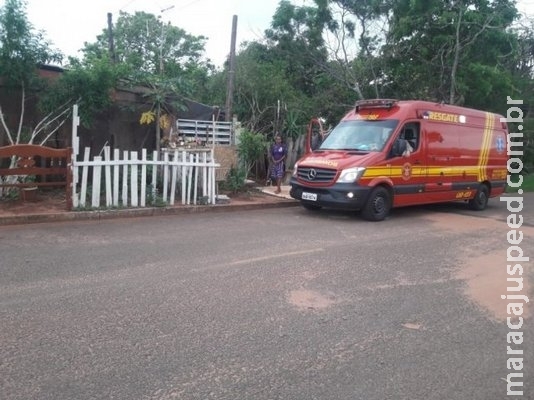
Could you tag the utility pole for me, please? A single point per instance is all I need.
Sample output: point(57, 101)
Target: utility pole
point(110, 40)
point(162, 39)
point(231, 72)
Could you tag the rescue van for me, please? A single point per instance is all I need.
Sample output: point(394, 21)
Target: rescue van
point(387, 153)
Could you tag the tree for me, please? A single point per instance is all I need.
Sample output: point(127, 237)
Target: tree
point(88, 85)
point(22, 50)
point(162, 102)
point(162, 58)
point(150, 47)
point(436, 48)
point(251, 147)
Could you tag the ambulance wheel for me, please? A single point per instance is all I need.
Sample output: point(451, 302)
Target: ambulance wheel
point(378, 204)
point(480, 201)
point(310, 207)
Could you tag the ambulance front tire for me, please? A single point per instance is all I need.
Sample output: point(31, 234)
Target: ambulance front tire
point(310, 207)
point(480, 201)
point(378, 204)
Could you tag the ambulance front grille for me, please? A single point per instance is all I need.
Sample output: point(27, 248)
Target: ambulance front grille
point(316, 175)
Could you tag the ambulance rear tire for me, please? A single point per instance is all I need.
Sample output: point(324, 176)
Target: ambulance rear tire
point(311, 207)
point(480, 201)
point(378, 204)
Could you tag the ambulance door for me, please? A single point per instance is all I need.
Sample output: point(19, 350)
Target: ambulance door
point(315, 135)
point(408, 164)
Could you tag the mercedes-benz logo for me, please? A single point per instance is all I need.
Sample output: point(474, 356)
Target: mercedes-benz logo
point(312, 174)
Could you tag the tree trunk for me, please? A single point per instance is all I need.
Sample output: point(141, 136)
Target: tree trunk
point(456, 60)
point(158, 128)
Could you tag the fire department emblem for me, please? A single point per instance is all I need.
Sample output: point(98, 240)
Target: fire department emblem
point(406, 171)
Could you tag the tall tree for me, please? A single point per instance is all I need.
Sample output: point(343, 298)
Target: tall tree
point(436, 47)
point(165, 59)
point(150, 47)
point(357, 30)
point(296, 36)
point(90, 85)
point(22, 50)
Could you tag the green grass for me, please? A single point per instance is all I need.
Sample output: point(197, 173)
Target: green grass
point(527, 185)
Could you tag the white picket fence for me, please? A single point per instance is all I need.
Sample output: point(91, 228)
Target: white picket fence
point(131, 181)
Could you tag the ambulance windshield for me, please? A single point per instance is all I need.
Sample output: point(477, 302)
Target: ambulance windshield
point(360, 135)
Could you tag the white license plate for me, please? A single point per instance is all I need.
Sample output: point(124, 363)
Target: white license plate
point(309, 196)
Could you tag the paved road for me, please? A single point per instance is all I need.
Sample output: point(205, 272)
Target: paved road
point(269, 304)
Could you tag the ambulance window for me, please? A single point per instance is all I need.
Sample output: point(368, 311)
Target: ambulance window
point(360, 135)
point(410, 132)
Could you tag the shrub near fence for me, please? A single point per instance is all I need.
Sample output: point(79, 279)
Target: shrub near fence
point(131, 181)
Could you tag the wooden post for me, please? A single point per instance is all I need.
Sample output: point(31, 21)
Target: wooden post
point(231, 72)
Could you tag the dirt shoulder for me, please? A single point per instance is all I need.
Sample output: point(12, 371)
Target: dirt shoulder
point(54, 202)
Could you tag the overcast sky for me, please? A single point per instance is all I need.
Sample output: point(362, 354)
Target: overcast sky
point(70, 23)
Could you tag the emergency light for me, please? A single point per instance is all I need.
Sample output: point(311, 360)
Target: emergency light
point(375, 103)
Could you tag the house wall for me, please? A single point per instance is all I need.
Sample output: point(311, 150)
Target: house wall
point(119, 127)
point(11, 105)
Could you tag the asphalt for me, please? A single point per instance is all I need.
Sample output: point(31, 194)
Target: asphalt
point(279, 200)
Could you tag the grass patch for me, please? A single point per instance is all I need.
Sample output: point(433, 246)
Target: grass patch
point(527, 185)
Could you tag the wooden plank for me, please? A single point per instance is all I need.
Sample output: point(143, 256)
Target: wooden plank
point(32, 150)
point(97, 176)
point(174, 178)
point(74, 186)
point(116, 177)
point(125, 180)
point(134, 195)
point(143, 179)
point(154, 175)
point(38, 171)
point(107, 169)
point(85, 172)
point(183, 175)
point(165, 176)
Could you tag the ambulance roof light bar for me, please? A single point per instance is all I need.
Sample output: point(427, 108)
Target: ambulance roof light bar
point(375, 103)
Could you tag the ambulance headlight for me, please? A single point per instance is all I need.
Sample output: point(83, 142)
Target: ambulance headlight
point(350, 175)
point(295, 167)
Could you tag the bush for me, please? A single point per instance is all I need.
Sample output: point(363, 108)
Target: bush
point(252, 146)
point(235, 180)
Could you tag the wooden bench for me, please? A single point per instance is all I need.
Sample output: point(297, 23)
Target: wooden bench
point(39, 161)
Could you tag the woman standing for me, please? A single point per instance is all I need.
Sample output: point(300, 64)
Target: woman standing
point(277, 155)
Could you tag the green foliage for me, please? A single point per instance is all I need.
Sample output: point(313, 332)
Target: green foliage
point(21, 47)
point(163, 58)
point(90, 86)
point(149, 47)
point(250, 148)
point(435, 50)
point(235, 180)
point(469, 53)
point(291, 127)
point(22, 50)
point(155, 199)
point(527, 185)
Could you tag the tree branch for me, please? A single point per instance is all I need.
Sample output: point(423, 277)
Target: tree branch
point(8, 133)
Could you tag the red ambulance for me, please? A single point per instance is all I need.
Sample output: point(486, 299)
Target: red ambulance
point(386, 153)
